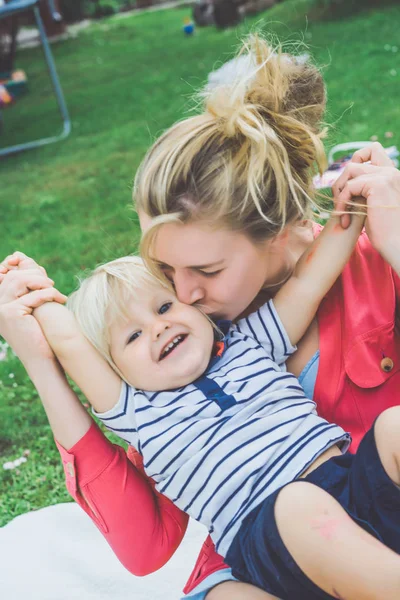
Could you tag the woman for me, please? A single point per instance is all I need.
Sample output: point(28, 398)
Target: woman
point(233, 188)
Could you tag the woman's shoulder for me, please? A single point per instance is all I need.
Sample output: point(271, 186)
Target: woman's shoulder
point(364, 296)
point(366, 261)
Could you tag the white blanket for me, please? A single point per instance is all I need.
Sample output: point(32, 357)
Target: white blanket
point(56, 553)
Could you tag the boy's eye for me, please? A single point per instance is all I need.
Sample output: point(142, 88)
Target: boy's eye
point(165, 308)
point(133, 337)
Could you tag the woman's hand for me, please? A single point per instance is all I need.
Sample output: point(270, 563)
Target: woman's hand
point(23, 287)
point(372, 177)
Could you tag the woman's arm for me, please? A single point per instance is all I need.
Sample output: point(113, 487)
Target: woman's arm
point(143, 528)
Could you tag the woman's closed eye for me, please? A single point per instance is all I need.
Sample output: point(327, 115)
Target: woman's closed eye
point(167, 272)
point(210, 273)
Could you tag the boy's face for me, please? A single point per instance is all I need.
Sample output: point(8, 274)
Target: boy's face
point(164, 344)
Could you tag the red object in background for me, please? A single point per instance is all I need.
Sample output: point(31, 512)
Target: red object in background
point(5, 97)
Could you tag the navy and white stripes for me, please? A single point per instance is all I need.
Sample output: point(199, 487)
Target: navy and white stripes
point(221, 445)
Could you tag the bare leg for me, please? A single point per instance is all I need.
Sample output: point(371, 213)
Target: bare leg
point(387, 437)
point(331, 549)
point(235, 590)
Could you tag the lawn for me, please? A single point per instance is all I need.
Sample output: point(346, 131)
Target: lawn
point(125, 80)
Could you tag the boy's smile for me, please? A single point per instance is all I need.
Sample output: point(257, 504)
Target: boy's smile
point(172, 345)
point(162, 343)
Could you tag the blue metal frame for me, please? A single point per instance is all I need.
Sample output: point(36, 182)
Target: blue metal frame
point(12, 8)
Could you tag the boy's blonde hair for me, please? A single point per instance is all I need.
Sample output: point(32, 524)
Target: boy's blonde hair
point(104, 295)
point(246, 162)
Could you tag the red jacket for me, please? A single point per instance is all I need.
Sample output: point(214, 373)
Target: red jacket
point(358, 377)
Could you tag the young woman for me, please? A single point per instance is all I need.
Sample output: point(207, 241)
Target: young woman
point(233, 188)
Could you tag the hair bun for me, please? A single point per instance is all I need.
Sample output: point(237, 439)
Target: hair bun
point(246, 160)
point(264, 83)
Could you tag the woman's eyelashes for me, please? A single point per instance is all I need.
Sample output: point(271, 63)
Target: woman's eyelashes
point(210, 273)
point(166, 271)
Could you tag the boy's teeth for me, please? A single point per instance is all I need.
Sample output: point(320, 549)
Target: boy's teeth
point(171, 345)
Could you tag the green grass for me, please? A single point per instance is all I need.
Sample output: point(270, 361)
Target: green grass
point(69, 204)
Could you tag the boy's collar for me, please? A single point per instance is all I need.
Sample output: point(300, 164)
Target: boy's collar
point(219, 344)
point(223, 325)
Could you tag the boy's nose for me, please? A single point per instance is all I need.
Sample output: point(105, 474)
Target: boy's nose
point(159, 326)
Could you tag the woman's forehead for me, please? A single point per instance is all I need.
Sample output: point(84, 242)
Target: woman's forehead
point(193, 244)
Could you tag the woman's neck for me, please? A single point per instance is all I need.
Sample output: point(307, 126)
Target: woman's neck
point(299, 239)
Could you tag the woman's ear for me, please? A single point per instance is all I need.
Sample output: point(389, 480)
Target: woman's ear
point(144, 221)
point(280, 241)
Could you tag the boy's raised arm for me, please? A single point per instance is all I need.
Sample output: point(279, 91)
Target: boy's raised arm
point(88, 369)
point(317, 270)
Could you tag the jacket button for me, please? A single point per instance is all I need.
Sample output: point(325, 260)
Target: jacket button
point(70, 469)
point(387, 364)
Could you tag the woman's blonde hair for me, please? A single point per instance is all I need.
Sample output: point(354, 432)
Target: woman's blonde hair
point(246, 162)
point(105, 295)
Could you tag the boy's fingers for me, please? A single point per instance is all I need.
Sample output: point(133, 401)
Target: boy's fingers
point(352, 171)
point(345, 221)
point(344, 190)
point(355, 190)
point(38, 297)
point(341, 207)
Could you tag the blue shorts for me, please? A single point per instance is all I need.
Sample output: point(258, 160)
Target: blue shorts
point(358, 482)
point(201, 590)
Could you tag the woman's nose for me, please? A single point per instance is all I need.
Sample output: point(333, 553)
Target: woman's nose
point(188, 288)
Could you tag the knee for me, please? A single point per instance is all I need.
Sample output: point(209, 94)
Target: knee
point(388, 422)
point(387, 429)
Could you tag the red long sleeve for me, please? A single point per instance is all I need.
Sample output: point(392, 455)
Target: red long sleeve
point(142, 527)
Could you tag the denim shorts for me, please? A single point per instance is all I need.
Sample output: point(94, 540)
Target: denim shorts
point(358, 482)
point(201, 590)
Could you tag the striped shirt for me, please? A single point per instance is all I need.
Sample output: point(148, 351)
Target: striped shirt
point(219, 446)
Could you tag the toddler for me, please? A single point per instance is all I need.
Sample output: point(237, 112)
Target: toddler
point(223, 428)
